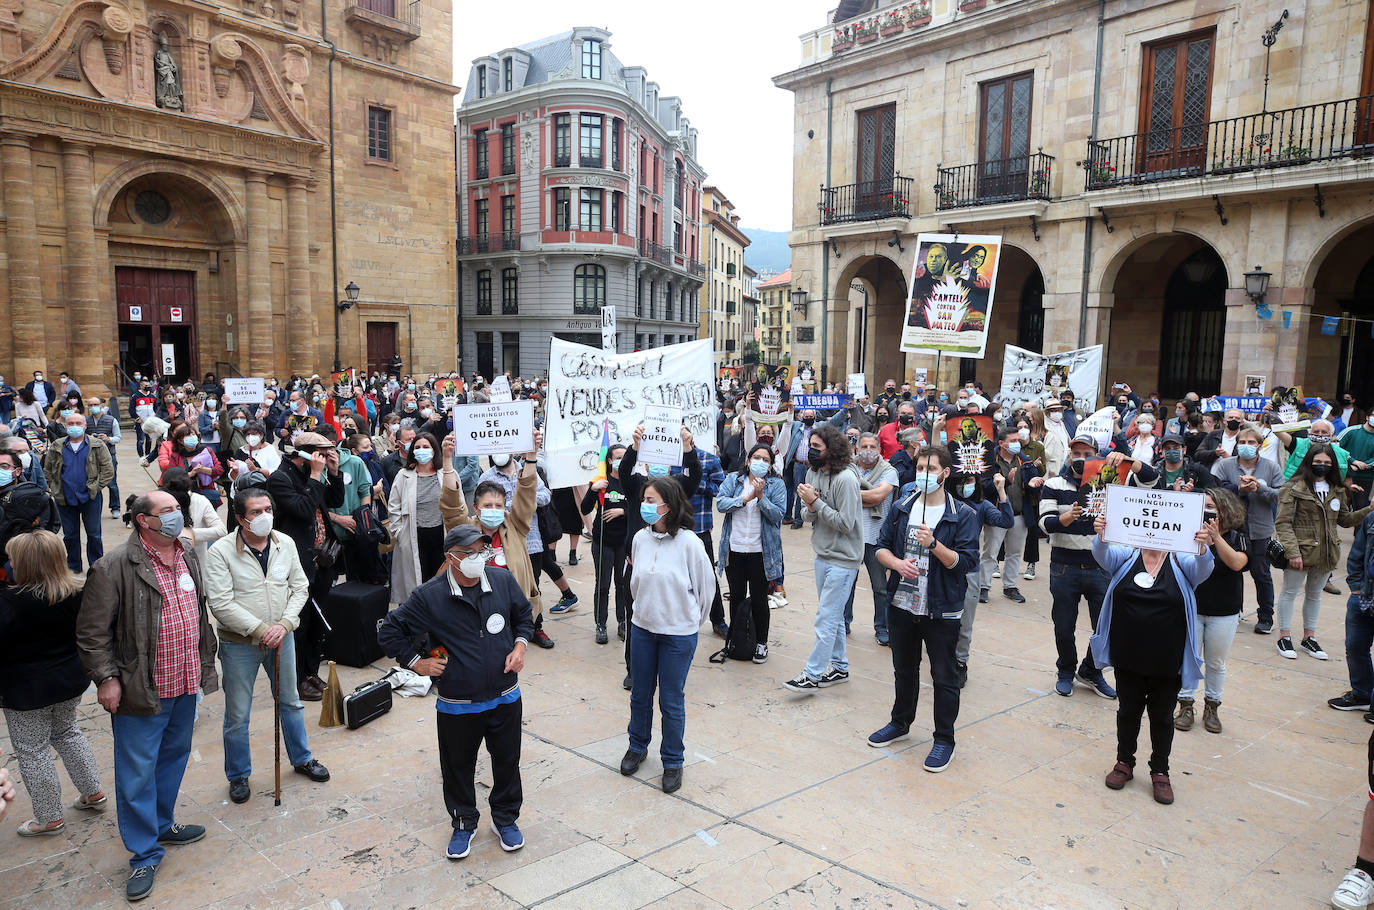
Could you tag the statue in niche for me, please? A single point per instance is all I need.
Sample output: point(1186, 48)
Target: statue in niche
point(168, 92)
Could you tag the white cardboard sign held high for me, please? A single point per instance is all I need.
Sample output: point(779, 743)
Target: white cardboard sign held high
point(243, 391)
point(662, 442)
point(857, 385)
point(1153, 519)
point(500, 390)
point(499, 428)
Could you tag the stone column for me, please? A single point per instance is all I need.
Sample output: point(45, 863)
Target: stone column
point(91, 336)
point(257, 334)
point(300, 308)
point(25, 341)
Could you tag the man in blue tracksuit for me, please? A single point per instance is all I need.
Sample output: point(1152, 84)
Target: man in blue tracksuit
point(470, 627)
point(1068, 522)
point(929, 541)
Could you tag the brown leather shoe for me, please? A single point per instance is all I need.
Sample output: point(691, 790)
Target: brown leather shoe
point(1120, 773)
point(309, 691)
point(1164, 791)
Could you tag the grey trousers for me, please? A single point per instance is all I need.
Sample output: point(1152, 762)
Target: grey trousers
point(32, 733)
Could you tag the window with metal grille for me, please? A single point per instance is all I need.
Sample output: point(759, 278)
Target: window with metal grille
point(1004, 136)
point(589, 289)
point(589, 140)
point(510, 292)
point(617, 201)
point(1178, 91)
point(617, 132)
point(591, 59)
point(385, 7)
point(484, 293)
point(483, 210)
point(877, 155)
point(562, 209)
point(508, 149)
point(378, 133)
point(508, 215)
point(589, 210)
point(507, 74)
point(481, 147)
point(562, 140)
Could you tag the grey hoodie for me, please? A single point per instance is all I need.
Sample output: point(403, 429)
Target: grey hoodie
point(838, 534)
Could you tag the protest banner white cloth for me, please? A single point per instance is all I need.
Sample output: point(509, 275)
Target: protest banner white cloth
point(662, 442)
point(1153, 519)
point(608, 329)
point(1099, 426)
point(587, 387)
point(500, 390)
point(244, 391)
point(857, 385)
point(499, 428)
point(1026, 374)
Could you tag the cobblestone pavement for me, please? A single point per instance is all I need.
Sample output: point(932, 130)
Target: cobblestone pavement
point(783, 804)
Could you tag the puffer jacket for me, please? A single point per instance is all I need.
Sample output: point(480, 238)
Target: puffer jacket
point(121, 615)
point(1308, 527)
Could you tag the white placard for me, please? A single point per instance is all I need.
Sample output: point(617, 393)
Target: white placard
point(770, 401)
point(608, 329)
point(589, 390)
point(169, 360)
point(858, 385)
point(500, 390)
point(797, 387)
point(662, 442)
point(499, 428)
point(1028, 375)
point(918, 376)
point(1099, 426)
point(1153, 519)
point(243, 391)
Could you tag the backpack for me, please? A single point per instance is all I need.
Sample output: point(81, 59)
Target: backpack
point(741, 642)
point(26, 507)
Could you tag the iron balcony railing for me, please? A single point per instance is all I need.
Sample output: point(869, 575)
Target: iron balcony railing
point(650, 250)
point(695, 268)
point(1300, 135)
point(987, 182)
point(870, 200)
point(487, 243)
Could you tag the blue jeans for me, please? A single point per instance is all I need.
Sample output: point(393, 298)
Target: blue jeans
point(1067, 584)
point(239, 664)
point(833, 585)
point(150, 756)
point(659, 661)
point(1359, 638)
point(73, 517)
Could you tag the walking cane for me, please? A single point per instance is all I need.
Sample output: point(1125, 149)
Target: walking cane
point(276, 720)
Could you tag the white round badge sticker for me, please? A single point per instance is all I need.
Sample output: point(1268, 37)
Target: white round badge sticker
point(1335, 505)
point(495, 623)
point(347, 479)
point(185, 583)
point(279, 573)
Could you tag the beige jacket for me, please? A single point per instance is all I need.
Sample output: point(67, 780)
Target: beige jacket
point(516, 527)
point(244, 601)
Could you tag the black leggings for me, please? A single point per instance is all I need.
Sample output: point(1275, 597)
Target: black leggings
point(610, 567)
point(1137, 694)
point(429, 542)
point(745, 573)
point(547, 562)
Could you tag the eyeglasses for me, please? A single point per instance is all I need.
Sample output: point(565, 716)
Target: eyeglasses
point(486, 554)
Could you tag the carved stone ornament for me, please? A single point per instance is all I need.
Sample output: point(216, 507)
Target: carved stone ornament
point(224, 56)
point(114, 36)
point(8, 10)
point(295, 72)
point(168, 90)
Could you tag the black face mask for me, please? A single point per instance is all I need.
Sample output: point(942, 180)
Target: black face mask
point(808, 421)
point(1233, 425)
point(906, 396)
point(815, 459)
point(1321, 470)
point(930, 399)
point(891, 390)
point(906, 420)
point(1078, 465)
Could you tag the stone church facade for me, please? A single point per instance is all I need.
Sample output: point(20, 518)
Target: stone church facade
point(174, 199)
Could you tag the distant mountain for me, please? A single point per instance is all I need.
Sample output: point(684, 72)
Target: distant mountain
point(768, 250)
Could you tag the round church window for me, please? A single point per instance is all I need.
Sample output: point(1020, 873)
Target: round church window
point(152, 207)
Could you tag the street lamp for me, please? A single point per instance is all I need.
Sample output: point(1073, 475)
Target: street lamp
point(1257, 285)
point(799, 302)
point(350, 297)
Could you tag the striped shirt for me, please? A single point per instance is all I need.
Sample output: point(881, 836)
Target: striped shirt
point(177, 667)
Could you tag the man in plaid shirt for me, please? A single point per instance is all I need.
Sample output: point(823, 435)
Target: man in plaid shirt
point(703, 509)
point(145, 640)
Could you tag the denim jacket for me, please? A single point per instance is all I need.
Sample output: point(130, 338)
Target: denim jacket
point(958, 530)
point(1190, 570)
point(1358, 563)
point(771, 508)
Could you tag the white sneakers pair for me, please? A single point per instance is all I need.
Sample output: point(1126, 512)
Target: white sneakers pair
point(1355, 891)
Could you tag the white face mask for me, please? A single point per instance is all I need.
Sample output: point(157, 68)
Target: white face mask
point(500, 461)
point(253, 439)
point(261, 525)
point(471, 566)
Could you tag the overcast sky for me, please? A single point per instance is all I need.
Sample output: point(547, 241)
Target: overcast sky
point(718, 56)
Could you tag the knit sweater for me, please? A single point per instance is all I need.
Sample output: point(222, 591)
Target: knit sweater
point(673, 583)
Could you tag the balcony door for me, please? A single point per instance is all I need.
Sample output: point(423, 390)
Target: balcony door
point(1177, 84)
point(877, 157)
point(1365, 124)
point(1004, 138)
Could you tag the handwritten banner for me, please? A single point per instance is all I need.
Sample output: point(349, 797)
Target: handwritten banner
point(1027, 375)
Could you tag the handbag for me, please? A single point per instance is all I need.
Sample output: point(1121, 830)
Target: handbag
point(369, 526)
point(328, 553)
point(1275, 554)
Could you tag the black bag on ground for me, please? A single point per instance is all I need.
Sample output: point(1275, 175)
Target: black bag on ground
point(354, 610)
point(741, 642)
point(366, 703)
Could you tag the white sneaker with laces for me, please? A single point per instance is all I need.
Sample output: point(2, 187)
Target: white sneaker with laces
point(1355, 891)
point(1285, 648)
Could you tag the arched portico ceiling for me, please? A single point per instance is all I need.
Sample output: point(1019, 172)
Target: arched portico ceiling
point(203, 182)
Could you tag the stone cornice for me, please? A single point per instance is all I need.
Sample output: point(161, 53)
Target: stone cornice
point(101, 122)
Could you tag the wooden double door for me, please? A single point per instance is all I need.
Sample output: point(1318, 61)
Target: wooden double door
point(157, 322)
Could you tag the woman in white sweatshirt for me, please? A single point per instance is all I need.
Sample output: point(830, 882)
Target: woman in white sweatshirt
point(673, 585)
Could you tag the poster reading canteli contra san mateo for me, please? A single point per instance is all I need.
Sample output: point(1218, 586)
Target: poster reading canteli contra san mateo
point(949, 302)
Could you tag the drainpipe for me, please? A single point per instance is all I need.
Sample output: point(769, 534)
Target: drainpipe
point(1088, 221)
point(457, 234)
point(825, 248)
point(333, 201)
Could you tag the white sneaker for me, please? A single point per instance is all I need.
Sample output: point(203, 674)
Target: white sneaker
point(1285, 646)
point(1355, 891)
point(781, 599)
point(996, 573)
point(1311, 647)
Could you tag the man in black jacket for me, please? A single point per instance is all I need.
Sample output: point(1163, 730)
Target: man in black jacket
point(306, 486)
point(470, 628)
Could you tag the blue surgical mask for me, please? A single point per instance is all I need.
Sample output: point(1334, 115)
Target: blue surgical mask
point(424, 456)
point(966, 490)
point(76, 432)
point(1014, 448)
point(65, 412)
point(1247, 451)
point(944, 437)
point(172, 524)
point(927, 483)
point(493, 518)
point(615, 465)
point(658, 470)
point(6, 477)
point(190, 440)
point(239, 423)
point(1173, 456)
point(649, 513)
point(758, 468)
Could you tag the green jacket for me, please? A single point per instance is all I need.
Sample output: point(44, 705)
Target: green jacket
point(1309, 528)
point(100, 472)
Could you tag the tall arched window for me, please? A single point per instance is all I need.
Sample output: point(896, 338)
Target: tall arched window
point(1194, 326)
point(589, 289)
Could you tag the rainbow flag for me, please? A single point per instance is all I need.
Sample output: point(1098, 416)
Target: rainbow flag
point(603, 471)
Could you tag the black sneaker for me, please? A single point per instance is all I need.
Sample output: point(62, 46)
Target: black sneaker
point(313, 770)
point(239, 791)
point(961, 674)
point(832, 677)
point(541, 638)
point(627, 683)
point(760, 653)
point(620, 631)
point(1013, 595)
point(982, 595)
point(1349, 702)
point(1264, 626)
point(803, 684)
point(181, 835)
point(140, 883)
point(601, 636)
point(1311, 647)
point(572, 559)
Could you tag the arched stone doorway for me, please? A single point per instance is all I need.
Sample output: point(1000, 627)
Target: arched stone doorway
point(1343, 285)
point(173, 241)
point(1168, 319)
point(866, 324)
point(1018, 317)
